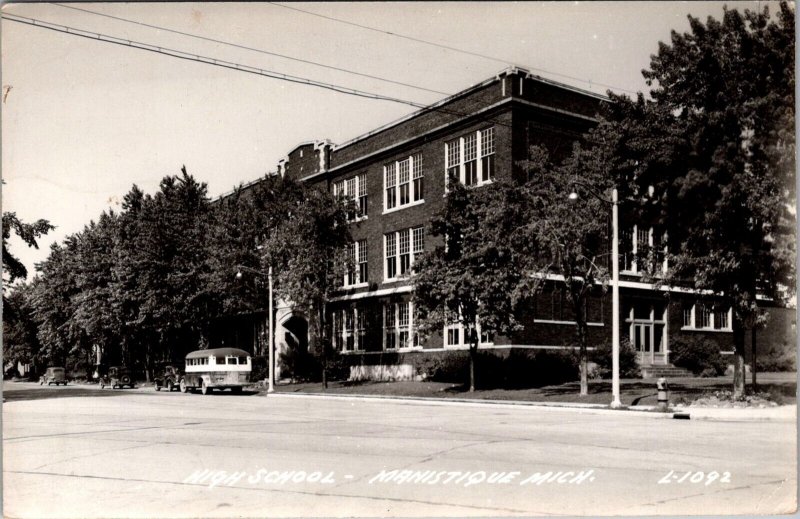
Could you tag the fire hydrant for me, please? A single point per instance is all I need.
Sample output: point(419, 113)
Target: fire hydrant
point(663, 394)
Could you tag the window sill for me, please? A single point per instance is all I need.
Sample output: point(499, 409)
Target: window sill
point(398, 279)
point(570, 323)
point(401, 207)
point(712, 330)
point(357, 285)
point(466, 346)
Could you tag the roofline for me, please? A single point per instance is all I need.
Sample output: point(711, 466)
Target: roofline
point(505, 72)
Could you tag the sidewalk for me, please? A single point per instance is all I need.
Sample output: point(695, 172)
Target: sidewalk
point(786, 413)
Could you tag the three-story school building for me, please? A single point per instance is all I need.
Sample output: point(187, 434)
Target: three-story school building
point(397, 175)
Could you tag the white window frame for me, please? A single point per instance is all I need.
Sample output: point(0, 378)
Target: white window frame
point(341, 332)
point(415, 171)
point(697, 319)
point(354, 188)
point(481, 150)
point(462, 342)
point(634, 270)
point(412, 341)
point(357, 250)
point(413, 251)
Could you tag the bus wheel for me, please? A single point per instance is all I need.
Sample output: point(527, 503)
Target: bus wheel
point(169, 386)
point(204, 388)
point(184, 388)
point(237, 390)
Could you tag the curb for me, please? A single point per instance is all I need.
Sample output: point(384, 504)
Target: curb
point(645, 411)
point(693, 413)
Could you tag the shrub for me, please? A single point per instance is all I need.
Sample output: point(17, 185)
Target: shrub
point(777, 358)
point(699, 355)
point(537, 368)
point(628, 360)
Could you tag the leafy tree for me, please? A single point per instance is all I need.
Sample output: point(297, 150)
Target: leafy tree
point(306, 249)
point(20, 344)
point(472, 279)
point(162, 252)
point(29, 233)
point(569, 240)
point(724, 95)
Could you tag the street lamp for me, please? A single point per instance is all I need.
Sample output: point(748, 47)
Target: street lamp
point(270, 332)
point(573, 196)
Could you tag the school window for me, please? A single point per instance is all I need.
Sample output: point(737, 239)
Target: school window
point(643, 248)
point(361, 329)
point(349, 337)
point(358, 272)
point(338, 340)
point(688, 317)
point(458, 335)
point(355, 189)
point(470, 158)
point(720, 319)
point(363, 272)
point(389, 327)
point(390, 183)
point(418, 184)
point(400, 250)
point(404, 182)
point(705, 317)
point(390, 253)
point(397, 326)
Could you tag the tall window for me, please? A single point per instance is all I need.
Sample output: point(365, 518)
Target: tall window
point(389, 327)
point(705, 317)
point(362, 194)
point(397, 326)
point(400, 250)
point(349, 329)
point(390, 183)
point(418, 184)
point(358, 273)
point(688, 316)
point(390, 253)
point(720, 318)
point(403, 182)
point(643, 247)
point(354, 188)
point(470, 158)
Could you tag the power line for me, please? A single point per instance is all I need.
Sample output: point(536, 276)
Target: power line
point(447, 47)
point(245, 47)
point(189, 56)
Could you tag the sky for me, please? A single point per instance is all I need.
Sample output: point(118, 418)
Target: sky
point(83, 120)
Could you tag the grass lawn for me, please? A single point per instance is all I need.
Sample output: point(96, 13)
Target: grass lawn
point(632, 391)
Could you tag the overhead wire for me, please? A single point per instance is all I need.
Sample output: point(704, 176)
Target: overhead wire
point(253, 49)
point(190, 56)
point(446, 47)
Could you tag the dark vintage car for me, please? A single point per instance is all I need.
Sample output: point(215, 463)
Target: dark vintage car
point(169, 378)
point(54, 376)
point(117, 376)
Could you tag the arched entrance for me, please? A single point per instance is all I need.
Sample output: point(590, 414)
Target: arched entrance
point(291, 341)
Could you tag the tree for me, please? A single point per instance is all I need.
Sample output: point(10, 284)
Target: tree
point(306, 249)
point(29, 233)
point(725, 93)
point(569, 240)
point(472, 278)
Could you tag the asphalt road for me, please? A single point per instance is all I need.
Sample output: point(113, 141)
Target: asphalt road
point(83, 452)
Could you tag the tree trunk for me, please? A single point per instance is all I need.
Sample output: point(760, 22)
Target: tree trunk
point(473, 353)
point(754, 357)
point(738, 357)
point(584, 361)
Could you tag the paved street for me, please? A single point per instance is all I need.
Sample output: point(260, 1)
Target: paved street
point(139, 453)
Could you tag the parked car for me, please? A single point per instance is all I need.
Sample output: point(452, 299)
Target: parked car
point(54, 376)
point(169, 377)
point(117, 376)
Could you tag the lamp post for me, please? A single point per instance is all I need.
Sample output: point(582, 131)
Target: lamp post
point(270, 332)
point(614, 202)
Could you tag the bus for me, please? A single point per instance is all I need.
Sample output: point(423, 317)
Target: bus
point(220, 368)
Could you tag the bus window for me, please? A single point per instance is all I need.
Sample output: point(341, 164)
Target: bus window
point(242, 360)
point(220, 360)
point(231, 360)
